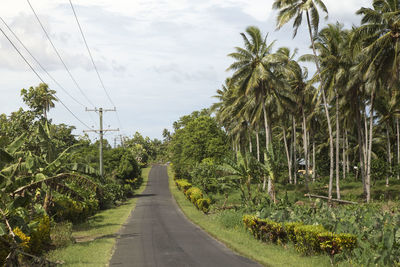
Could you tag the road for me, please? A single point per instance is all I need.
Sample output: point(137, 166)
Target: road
point(158, 234)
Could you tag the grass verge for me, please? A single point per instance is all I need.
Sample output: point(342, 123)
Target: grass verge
point(96, 237)
point(239, 240)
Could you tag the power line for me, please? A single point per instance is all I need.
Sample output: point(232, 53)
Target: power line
point(38, 63)
point(41, 66)
point(58, 54)
point(91, 58)
point(90, 53)
point(40, 78)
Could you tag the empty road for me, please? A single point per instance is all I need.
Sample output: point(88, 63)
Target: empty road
point(158, 234)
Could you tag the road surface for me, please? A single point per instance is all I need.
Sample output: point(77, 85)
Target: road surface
point(158, 234)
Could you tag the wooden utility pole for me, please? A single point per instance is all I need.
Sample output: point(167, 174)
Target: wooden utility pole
point(101, 133)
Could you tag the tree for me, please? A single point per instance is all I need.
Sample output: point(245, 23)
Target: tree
point(295, 9)
point(40, 99)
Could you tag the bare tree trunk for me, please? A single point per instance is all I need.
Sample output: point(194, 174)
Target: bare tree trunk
point(287, 155)
point(389, 154)
point(347, 153)
point(294, 151)
point(371, 125)
point(258, 146)
point(398, 146)
point(344, 162)
point(267, 135)
point(305, 148)
point(250, 143)
point(337, 148)
point(313, 159)
point(328, 119)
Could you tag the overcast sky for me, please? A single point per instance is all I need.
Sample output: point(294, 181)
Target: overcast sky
point(159, 59)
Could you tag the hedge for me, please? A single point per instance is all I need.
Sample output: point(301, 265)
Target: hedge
point(194, 195)
point(307, 239)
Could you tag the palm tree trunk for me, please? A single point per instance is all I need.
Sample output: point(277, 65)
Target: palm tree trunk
point(347, 153)
point(344, 161)
point(287, 155)
point(305, 148)
point(250, 143)
point(258, 146)
point(328, 119)
point(398, 146)
point(389, 154)
point(313, 159)
point(371, 125)
point(294, 150)
point(337, 148)
point(266, 134)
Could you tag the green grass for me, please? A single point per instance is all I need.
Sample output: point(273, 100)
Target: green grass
point(96, 237)
point(238, 239)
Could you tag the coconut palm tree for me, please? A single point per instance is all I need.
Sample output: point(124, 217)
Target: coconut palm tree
point(380, 37)
point(289, 9)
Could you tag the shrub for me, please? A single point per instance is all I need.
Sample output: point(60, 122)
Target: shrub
point(193, 194)
point(289, 228)
point(40, 236)
point(333, 243)
point(307, 241)
point(183, 184)
point(67, 209)
point(23, 238)
point(203, 204)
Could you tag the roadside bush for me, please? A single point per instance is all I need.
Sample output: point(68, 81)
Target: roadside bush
point(40, 236)
point(183, 184)
point(109, 194)
point(193, 194)
point(204, 175)
point(203, 204)
point(307, 239)
point(67, 209)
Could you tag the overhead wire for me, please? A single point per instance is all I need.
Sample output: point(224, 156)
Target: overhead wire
point(40, 78)
point(93, 63)
point(42, 67)
point(58, 54)
point(38, 63)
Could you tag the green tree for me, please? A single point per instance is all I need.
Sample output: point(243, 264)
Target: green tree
point(40, 99)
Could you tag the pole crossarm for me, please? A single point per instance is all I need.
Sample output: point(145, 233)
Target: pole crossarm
point(101, 133)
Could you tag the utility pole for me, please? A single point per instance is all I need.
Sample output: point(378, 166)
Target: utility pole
point(101, 133)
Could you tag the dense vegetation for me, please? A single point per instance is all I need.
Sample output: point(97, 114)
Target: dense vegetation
point(277, 134)
point(49, 178)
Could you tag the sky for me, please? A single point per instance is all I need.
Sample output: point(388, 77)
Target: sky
point(158, 59)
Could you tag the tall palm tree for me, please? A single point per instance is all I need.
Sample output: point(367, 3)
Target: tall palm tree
point(290, 9)
point(380, 36)
point(250, 70)
point(331, 44)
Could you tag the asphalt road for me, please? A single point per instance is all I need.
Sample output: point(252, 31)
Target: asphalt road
point(158, 234)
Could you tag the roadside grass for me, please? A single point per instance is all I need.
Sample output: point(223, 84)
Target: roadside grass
point(96, 237)
point(226, 227)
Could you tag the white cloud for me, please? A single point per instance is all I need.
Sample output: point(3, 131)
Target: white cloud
point(159, 59)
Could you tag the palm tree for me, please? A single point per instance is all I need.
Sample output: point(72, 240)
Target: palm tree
point(290, 9)
point(331, 43)
point(254, 73)
point(40, 98)
point(380, 36)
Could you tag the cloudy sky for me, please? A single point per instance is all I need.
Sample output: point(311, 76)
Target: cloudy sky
point(159, 59)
